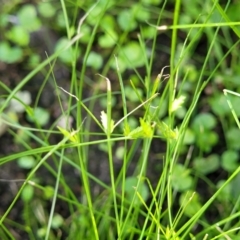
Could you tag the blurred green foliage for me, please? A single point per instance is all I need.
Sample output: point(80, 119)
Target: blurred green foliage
point(212, 131)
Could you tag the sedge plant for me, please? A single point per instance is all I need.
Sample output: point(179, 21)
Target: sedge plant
point(129, 206)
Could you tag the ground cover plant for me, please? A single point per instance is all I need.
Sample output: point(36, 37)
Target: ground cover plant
point(119, 120)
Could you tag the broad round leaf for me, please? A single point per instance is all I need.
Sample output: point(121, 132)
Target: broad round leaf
point(18, 35)
point(126, 20)
point(130, 185)
point(95, 60)
point(108, 40)
point(10, 54)
point(46, 9)
point(189, 137)
point(219, 105)
point(232, 137)
point(28, 18)
point(207, 165)
point(26, 162)
point(131, 55)
point(229, 160)
point(27, 193)
point(190, 202)
point(39, 115)
point(204, 121)
point(57, 221)
point(181, 180)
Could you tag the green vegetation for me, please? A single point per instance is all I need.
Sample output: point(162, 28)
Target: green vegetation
point(132, 131)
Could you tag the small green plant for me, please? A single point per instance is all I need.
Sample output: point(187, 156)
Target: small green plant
point(19, 31)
